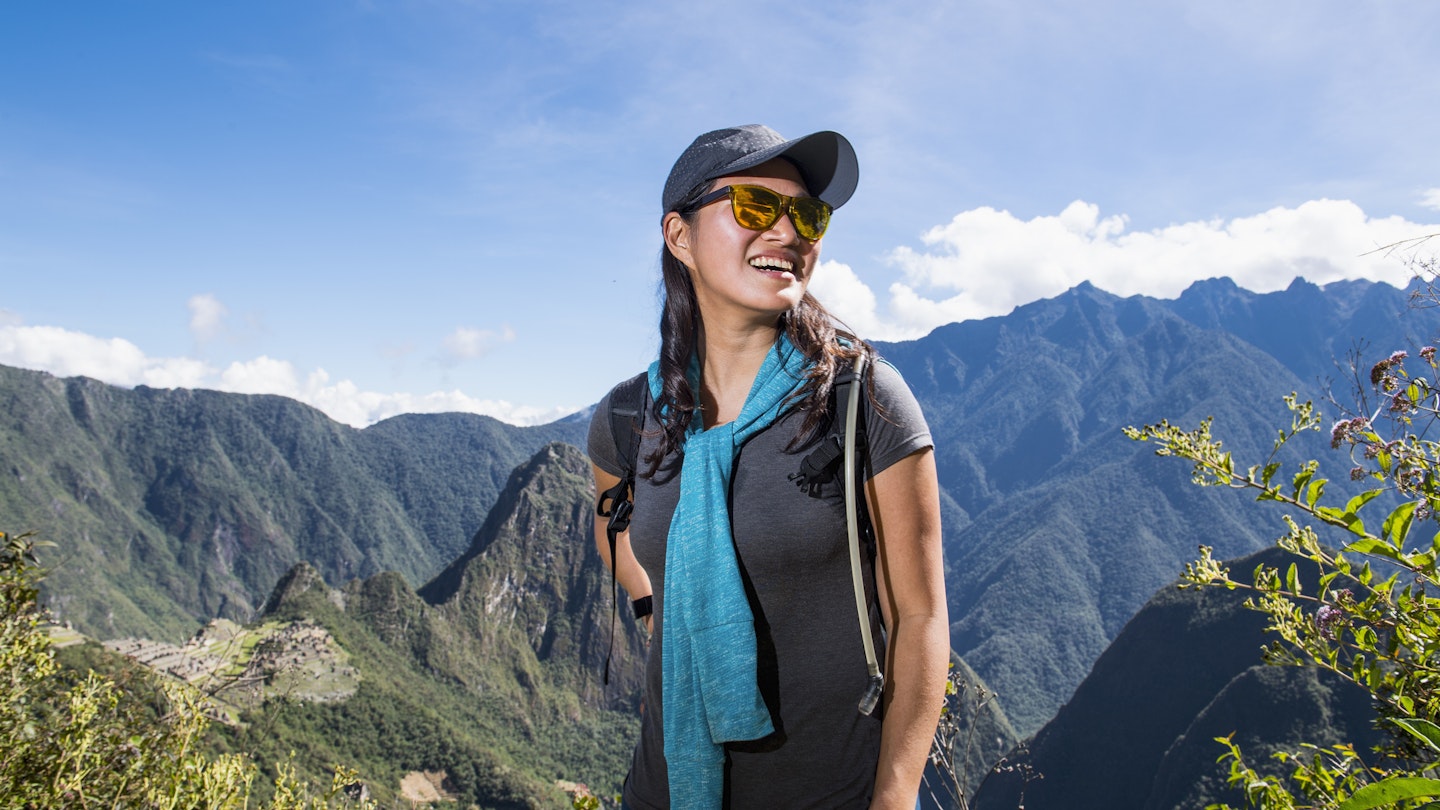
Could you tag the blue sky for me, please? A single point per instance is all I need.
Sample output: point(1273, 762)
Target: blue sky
point(382, 207)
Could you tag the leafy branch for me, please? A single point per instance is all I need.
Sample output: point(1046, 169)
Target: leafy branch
point(1379, 632)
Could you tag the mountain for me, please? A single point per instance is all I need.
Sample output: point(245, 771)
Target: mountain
point(173, 507)
point(491, 674)
point(177, 506)
point(1139, 732)
point(1057, 528)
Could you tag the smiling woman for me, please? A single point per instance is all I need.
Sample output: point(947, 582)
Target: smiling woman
point(752, 684)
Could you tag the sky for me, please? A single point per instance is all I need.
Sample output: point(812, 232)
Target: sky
point(387, 207)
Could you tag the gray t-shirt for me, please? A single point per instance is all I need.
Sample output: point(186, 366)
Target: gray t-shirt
point(794, 555)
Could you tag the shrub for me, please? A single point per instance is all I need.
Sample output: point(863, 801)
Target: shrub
point(92, 744)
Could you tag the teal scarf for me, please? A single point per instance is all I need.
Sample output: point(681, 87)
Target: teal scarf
point(710, 695)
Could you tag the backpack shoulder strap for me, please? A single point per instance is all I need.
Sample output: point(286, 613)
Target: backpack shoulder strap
point(823, 463)
point(627, 418)
point(627, 414)
point(843, 451)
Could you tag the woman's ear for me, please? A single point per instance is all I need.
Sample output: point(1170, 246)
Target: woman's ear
point(677, 238)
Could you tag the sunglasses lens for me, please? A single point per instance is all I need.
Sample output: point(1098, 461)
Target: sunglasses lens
point(755, 208)
point(811, 217)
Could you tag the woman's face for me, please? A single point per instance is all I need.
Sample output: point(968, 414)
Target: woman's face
point(750, 273)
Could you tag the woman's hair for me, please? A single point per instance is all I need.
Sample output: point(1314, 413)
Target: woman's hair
point(809, 326)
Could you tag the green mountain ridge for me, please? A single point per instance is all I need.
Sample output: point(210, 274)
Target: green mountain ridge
point(497, 682)
point(1057, 527)
point(1139, 732)
point(178, 506)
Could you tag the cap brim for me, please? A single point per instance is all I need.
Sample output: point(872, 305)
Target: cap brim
point(826, 161)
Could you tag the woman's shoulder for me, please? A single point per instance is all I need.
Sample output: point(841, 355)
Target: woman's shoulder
point(625, 401)
point(896, 426)
point(887, 383)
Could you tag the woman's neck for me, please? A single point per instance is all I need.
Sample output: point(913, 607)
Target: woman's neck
point(729, 361)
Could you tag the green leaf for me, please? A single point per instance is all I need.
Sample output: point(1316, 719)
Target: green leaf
point(1423, 730)
point(1370, 545)
point(1317, 488)
point(1290, 580)
point(1270, 470)
point(1389, 791)
point(1360, 500)
point(1349, 520)
point(1302, 478)
point(1397, 525)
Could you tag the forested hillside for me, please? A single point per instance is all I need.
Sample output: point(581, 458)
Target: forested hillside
point(1058, 528)
point(1139, 733)
point(172, 507)
point(175, 506)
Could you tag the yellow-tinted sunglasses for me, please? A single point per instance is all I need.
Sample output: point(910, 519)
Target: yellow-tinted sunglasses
point(758, 208)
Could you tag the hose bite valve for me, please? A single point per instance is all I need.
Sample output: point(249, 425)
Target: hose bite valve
point(873, 690)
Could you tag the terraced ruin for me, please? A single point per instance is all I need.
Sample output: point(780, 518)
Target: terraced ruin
point(238, 668)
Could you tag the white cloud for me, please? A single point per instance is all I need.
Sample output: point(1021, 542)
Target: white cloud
point(345, 402)
point(843, 293)
point(469, 344)
point(263, 375)
point(986, 262)
point(1430, 198)
point(120, 362)
point(207, 317)
point(68, 354)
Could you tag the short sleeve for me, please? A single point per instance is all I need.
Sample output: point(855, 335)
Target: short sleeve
point(897, 427)
point(600, 443)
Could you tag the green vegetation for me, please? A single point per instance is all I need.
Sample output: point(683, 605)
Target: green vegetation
point(493, 692)
point(1371, 616)
point(180, 506)
point(433, 698)
point(177, 507)
point(1057, 528)
point(85, 741)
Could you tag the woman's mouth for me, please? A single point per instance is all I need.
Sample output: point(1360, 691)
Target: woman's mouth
point(773, 264)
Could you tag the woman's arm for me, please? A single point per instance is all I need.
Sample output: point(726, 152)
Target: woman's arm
point(904, 503)
point(628, 570)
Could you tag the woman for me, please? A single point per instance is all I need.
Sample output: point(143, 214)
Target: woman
point(752, 684)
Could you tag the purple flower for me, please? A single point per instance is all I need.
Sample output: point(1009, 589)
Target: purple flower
point(1328, 616)
point(1338, 432)
point(1346, 430)
point(1381, 370)
point(1428, 353)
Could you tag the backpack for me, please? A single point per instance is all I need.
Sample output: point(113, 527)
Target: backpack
point(836, 453)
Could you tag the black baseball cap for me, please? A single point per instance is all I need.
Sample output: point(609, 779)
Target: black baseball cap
point(826, 162)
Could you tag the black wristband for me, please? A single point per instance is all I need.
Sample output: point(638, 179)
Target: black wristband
point(643, 606)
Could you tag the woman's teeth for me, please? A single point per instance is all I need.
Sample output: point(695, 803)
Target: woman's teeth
point(771, 263)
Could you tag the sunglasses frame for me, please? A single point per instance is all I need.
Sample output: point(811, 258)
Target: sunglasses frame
point(786, 208)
